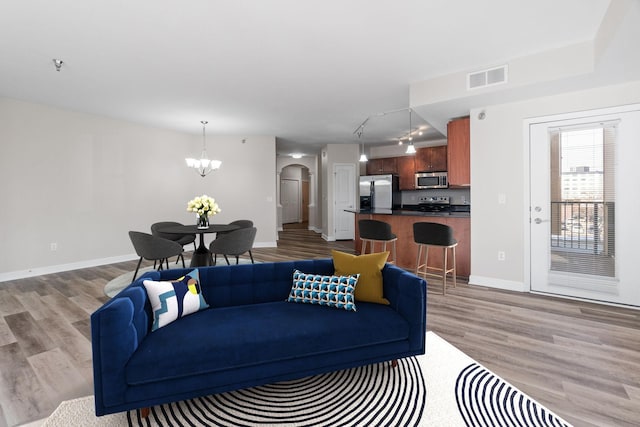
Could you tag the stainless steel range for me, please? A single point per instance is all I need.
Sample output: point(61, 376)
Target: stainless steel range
point(433, 204)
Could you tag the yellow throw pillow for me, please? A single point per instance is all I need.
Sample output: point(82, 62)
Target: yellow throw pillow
point(369, 266)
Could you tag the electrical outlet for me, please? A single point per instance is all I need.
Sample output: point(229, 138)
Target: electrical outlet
point(501, 255)
point(53, 247)
point(502, 199)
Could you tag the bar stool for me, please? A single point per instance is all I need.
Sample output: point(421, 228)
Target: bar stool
point(372, 232)
point(427, 234)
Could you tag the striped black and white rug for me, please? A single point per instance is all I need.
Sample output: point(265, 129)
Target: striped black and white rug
point(442, 388)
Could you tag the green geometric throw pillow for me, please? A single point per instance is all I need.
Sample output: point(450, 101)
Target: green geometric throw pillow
point(330, 291)
point(171, 300)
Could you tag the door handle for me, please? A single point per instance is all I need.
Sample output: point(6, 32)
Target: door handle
point(538, 220)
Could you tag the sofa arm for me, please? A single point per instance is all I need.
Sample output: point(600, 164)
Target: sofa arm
point(407, 294)
point(117, 328)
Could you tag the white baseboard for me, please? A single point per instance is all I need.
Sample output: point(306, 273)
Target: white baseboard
point(51, 269)
point(328, 238)
point(490, 282)
point(265, 244)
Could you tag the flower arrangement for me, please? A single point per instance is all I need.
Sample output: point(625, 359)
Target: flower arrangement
point(204, 206)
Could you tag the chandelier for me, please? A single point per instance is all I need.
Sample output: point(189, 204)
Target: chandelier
point(203, 165)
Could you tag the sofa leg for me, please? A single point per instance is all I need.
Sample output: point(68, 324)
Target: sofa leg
point(144, 412)
point(394, 363)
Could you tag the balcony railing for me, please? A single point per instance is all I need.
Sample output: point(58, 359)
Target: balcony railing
point(583, 226)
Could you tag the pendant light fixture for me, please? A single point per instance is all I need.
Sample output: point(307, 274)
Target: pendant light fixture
point(203, 165)
point(410, 148)
point(363, 156)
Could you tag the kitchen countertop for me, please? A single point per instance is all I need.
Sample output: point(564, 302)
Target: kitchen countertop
point(408, 212)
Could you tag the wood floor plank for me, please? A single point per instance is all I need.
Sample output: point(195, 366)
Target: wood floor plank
point(62, 305)
point(6, 336)
point(625, 414)
point(84, 327)
point(87, 302)
point(85, 368)
point(9, 304)
point(32, 302)
point(29, 335)
point(59, 376)
point(23, 398)
point(3, 422)
point(61, 331)
point(41, 284)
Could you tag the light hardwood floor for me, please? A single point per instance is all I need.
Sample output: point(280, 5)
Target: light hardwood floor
point(581, 360)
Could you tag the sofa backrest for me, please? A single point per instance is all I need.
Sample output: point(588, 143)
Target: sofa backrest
point(255, 283)
point(224, 285)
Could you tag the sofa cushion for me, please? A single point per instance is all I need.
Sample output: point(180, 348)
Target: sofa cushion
point(171, 300)
point(369, 266)
point(234, 337)
point(331, 291)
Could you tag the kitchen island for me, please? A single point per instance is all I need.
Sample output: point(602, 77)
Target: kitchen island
point(402, 220)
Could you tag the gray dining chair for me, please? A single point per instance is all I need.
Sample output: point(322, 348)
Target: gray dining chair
point(183, 239)
point(242, 223)
point(154, 248)
point(234, 243)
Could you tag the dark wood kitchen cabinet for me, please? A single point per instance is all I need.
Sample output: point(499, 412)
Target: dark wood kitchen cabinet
point(407, 172)
point(458, 141)
point(431, 159)
point(381, 166)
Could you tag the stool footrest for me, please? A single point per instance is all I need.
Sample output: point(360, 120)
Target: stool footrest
point(422, 268)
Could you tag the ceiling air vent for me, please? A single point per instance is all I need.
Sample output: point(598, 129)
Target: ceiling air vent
point(484, 78)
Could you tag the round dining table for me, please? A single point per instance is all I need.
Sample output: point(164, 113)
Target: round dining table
point(201, 256)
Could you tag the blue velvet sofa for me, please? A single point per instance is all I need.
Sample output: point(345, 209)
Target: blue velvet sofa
point(249, 336)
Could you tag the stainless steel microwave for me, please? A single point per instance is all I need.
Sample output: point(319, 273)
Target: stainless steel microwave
point(425, 180)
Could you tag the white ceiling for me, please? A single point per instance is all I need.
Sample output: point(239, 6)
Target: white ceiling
point(309, 72)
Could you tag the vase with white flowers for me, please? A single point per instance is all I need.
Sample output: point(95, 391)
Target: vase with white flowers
point(204, 207)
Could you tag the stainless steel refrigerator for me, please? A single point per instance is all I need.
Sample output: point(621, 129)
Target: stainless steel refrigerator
point(379, 192)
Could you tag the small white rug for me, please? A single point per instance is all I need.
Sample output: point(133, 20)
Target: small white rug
point(444, 388)
point(114, 286)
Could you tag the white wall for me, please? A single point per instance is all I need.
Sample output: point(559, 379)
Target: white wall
point(498, 154)
point(83, 181)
